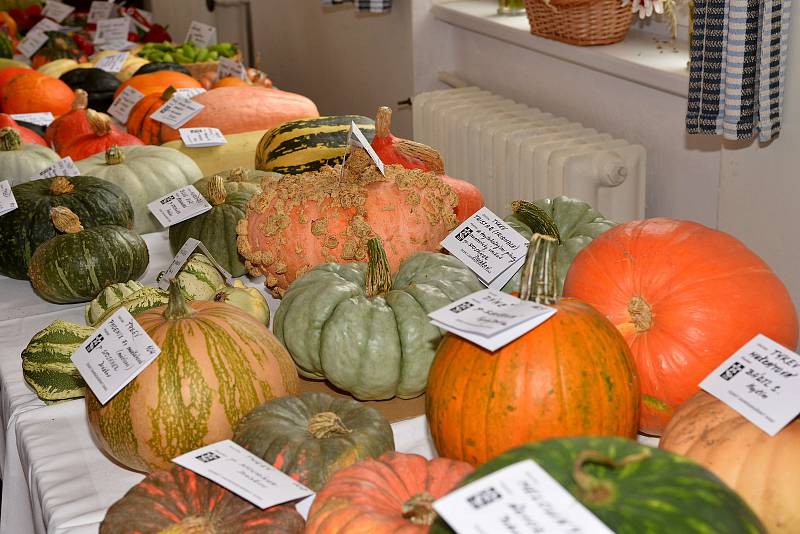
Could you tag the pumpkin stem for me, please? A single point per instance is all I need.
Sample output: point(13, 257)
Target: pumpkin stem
point(383, 122)
point(596, 490)
point(10, 139)
point(176, 307)
point(326, 424)
point(65, 220)
point(114, 155)
point(100, 123)
point(61, 186)
point(539, 272)
point(216, 190)
point(379, 277)
point(168, 93)
point(190, 525)
point(535, 218)
point(419, 509)
point(417, 153)
point(81, 100)
point(641, 314)
point(239, 174)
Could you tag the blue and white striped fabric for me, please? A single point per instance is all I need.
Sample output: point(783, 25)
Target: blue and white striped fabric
point(373, 6)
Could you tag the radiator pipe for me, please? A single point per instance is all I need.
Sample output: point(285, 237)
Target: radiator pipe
point(452, 79)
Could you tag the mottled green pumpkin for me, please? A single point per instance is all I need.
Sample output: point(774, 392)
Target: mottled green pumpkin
point(366, 334)
point(198, 279)
point(130, 295)
point(21, 161)
point(238, 179)
point(311, 436)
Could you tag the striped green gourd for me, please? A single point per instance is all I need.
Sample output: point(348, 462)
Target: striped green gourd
point(46, 363)
point(199, 278)
point(307, 145)
point(131, 295)
point(6, 46)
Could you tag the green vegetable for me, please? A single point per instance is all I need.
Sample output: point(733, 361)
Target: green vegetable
point(47, 364)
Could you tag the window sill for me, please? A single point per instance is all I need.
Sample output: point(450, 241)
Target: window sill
point(641, 58)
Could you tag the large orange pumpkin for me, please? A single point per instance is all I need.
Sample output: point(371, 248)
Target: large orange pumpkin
point(764, 470)
point(571, 376)
point(100, 137)
point(34, 92)
point(157, 82)
point(9, 73)
point(685, 297)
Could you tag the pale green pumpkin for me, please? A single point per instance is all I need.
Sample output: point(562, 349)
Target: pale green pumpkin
point(20, 161)
point(199, 278)
point(245, 298)
point(238, 179)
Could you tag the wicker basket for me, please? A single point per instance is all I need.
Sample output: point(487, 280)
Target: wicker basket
point(579, 22)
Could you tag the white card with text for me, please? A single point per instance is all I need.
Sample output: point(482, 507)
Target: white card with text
point(761, 381)
point(202, 137)
point(238, 470)
point(201, 34)
point(41, 119)
point(490, 318)
point(62, 167)
point(100, 11)
point(177, 111)
point(180, 258)
point(189, 92)
point(46, 25)
point(115, 45)
point(181, 204)
point(56, 10)
point(521, 497)
point(112, 30)
point(114, 354)
point(113, 63)
point(32, 42)
point(121, 108)
point(7, 201)
point(229, 68)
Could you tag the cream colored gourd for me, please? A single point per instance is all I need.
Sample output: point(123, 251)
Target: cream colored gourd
point(239, 151)
point(20, 161)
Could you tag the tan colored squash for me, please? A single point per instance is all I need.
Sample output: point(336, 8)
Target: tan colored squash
point(238, 152)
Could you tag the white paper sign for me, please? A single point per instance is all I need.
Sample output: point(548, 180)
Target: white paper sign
point(202, 137)
point(112, 30)
point(115, 45)
point(229, 68)
point(41, 119)
point(46, 25)
point(177, 111)
point(761, 381)
point(114, 354)
point(489, 246)
point(521, 497)
point(7, 201)
point(100, 11)
point(181, 204)
point(62, 167)
point(355, 138)
point(56, 10)
point(121, 108)
point(189, 92)
point(201, 34)
point(180, 258)
point(236, 469)
point(32, 42)
point(490, 318)
point(112, 63)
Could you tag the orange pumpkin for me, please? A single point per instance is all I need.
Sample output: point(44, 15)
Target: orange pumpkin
point(100, 137)
point(33, 92)
point(231, 81)
point(27, 135)
point(139, 122)
point(685, 297)
point(157, 82)
point(71, 125)
point(573, 375)
point(764, 470)
point(9, 73)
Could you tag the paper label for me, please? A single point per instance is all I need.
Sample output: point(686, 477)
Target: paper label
point(7, 201)
point(180, 259)
point(57, 11)
point(114, 354)
point(490, 318)
point(114, 45)
point(177, 111)
point(42, 119)
point(355, 138)
point(181, 204)
point(521, 497)
point(761, 381)
point(112, 30)
point(121, 108)
point(201, 34)
point(229, 68)
point(112, 63)
point(46, 25)
point(100, 11)
point(236, 469)
point(489, 246)
point(32, 42)
point(202, 137)
point(62, 167)
point(189, 92)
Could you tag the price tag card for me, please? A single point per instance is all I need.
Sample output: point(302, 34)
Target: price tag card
point(121, 108)
point(201, 34)
point(113, 63)
point(41, 119)
point(202, 137)
point(56, 10)
point(521, 497)
point(181, 204)
point(7, 201)
point(100, 11)
point(177, 111)
point(115, 45)
point(62, 167)
point(32, 42)
point(489, 246)
point(761, 381)
point(228, 68)
point(114, 354)
point(46, 25)
point(112, 30)
point(490, 318)
point(189, 92)
point(238, 470)
point(355, 138)
point(180, 258)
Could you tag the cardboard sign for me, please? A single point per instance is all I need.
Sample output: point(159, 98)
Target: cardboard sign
point(113, 63)
point(121, 108)
point(112, 30)
point(201, 34)
point(228, 68)
point(202, 137)
point(100, 11)
point(181, 204)
point(32, 42)
point(177, 111)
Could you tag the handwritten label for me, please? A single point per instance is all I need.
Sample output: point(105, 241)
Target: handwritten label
point(180, 258)
point(46, 25)
point(7, 201)
point(490, 318)
point(202, 137)
point(112, 63)
point(57, 11)
point(100, 11)
point(62, 167)
point(121, 108)
point(228, 68)
point(761, 381)
point(112, 30)
point(189, 92)
point(41, 119)
point(115, 45)
point(32, 42)
point(114, 354)
point(181, 204)
point(521, 497)
point(201, 34)
point(177, 111)
point(356, 139)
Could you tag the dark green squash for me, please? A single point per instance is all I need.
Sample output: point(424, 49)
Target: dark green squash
point(100, 85)
point(6, 46)
point(37, 128)
point(77, 264)
point(162, 65)
point(96, 202)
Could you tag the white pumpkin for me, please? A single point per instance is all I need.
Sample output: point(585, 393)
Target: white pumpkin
point(20, 161)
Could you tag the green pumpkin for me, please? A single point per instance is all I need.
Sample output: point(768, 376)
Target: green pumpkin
point(47, 364)
point(77, 264)
point(632, 488)
point(369, 336)
point(245, 298)
point(130, 295)
point(98, 84)
point(311, 436)
point(6, 46)
point(199, 278)
point(573, 222)
point(238, 180)
point(94, 201)
point(19, 162)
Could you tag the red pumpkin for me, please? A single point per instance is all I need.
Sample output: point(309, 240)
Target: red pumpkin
point(101, 137)
point(71, 125)
point(27, 135)
point(685, 297)
point(33, 92)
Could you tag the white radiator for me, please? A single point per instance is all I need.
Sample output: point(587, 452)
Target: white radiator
point(511, 151)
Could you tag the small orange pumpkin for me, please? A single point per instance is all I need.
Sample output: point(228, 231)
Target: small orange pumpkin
point(100, 137)
point(33, 92)
point(139, 122)
point(157, 82)
point(231, 81)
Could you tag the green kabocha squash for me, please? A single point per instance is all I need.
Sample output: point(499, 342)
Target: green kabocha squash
point(312, 435)
point(238, 180)
point(632, 488)
point(199, 278)
point(130, 295)
point(20, 162)
point(99, 84)
point(47, 365)
point(245, 298)
point(77, 264)
point(145, 173)
point(307, 145)
point(573, 222)
point(366, 334)
point(96, 202)
point(157, 66)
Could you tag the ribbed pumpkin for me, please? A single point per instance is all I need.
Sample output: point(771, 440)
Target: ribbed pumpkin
point(764, 470)
point(390, 494)
point(101, 138)
point(33, 92)
point(139, 122)
point(216, 364)
point(180, 501)
point(9, 73)
point(94, 201)
point(99, 84)
point(327, 216)
point(157, 82)
point(77, 264)
point(26, 134)
point(21, 161)
point(311, 436)
point(46, 361)
point(130, 295)
point(145, 173)
point(682, 296)
point(571, 376)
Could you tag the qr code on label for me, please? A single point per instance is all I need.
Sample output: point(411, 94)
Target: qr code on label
point(461, 307)
point(463, 234)
point(487, 496)
point(209, 456)
point(732, 371)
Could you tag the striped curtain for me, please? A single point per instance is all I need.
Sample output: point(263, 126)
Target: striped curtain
point(737, 69)
point(373, 6)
